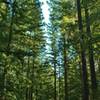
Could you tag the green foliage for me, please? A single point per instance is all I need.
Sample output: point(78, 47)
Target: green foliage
point(32, 59)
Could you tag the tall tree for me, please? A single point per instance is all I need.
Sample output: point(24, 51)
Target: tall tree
point(83, 56)
point(90, 47)
point(65, 69)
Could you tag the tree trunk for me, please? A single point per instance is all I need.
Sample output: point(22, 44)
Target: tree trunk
point(28, 76)
point(11, 27)
point(90, 47)
point(54, 62)
point(83, 56)
point(3, 84)
point(65, 69)
point(54, 65)
point(55, 82)
point(59, 84)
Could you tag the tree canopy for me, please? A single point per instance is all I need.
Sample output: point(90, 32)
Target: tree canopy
point(55, 60)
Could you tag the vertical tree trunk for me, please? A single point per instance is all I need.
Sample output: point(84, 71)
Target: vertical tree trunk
point(26, 93)
point(65, 70)
point(30, 93)
point(83, 56)
point(3, 97)
point(3, 83)
point(59, 84)
point(55, 98)
point(28, 76)
point(90, 47)
point(54, 63)
point(32, 77)
point(36, 93)
point(11, 26)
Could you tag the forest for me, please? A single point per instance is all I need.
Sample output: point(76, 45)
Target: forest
point(58, 59)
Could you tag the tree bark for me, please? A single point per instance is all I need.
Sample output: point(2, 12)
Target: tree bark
point(59, 84)
point(65, 70)
point(54, 63)
point(11, 27)
point(83, 56)
point(90, 48)
point(55, 97)
point(28, 76)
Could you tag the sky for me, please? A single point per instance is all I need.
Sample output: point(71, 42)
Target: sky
point(45, 11)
